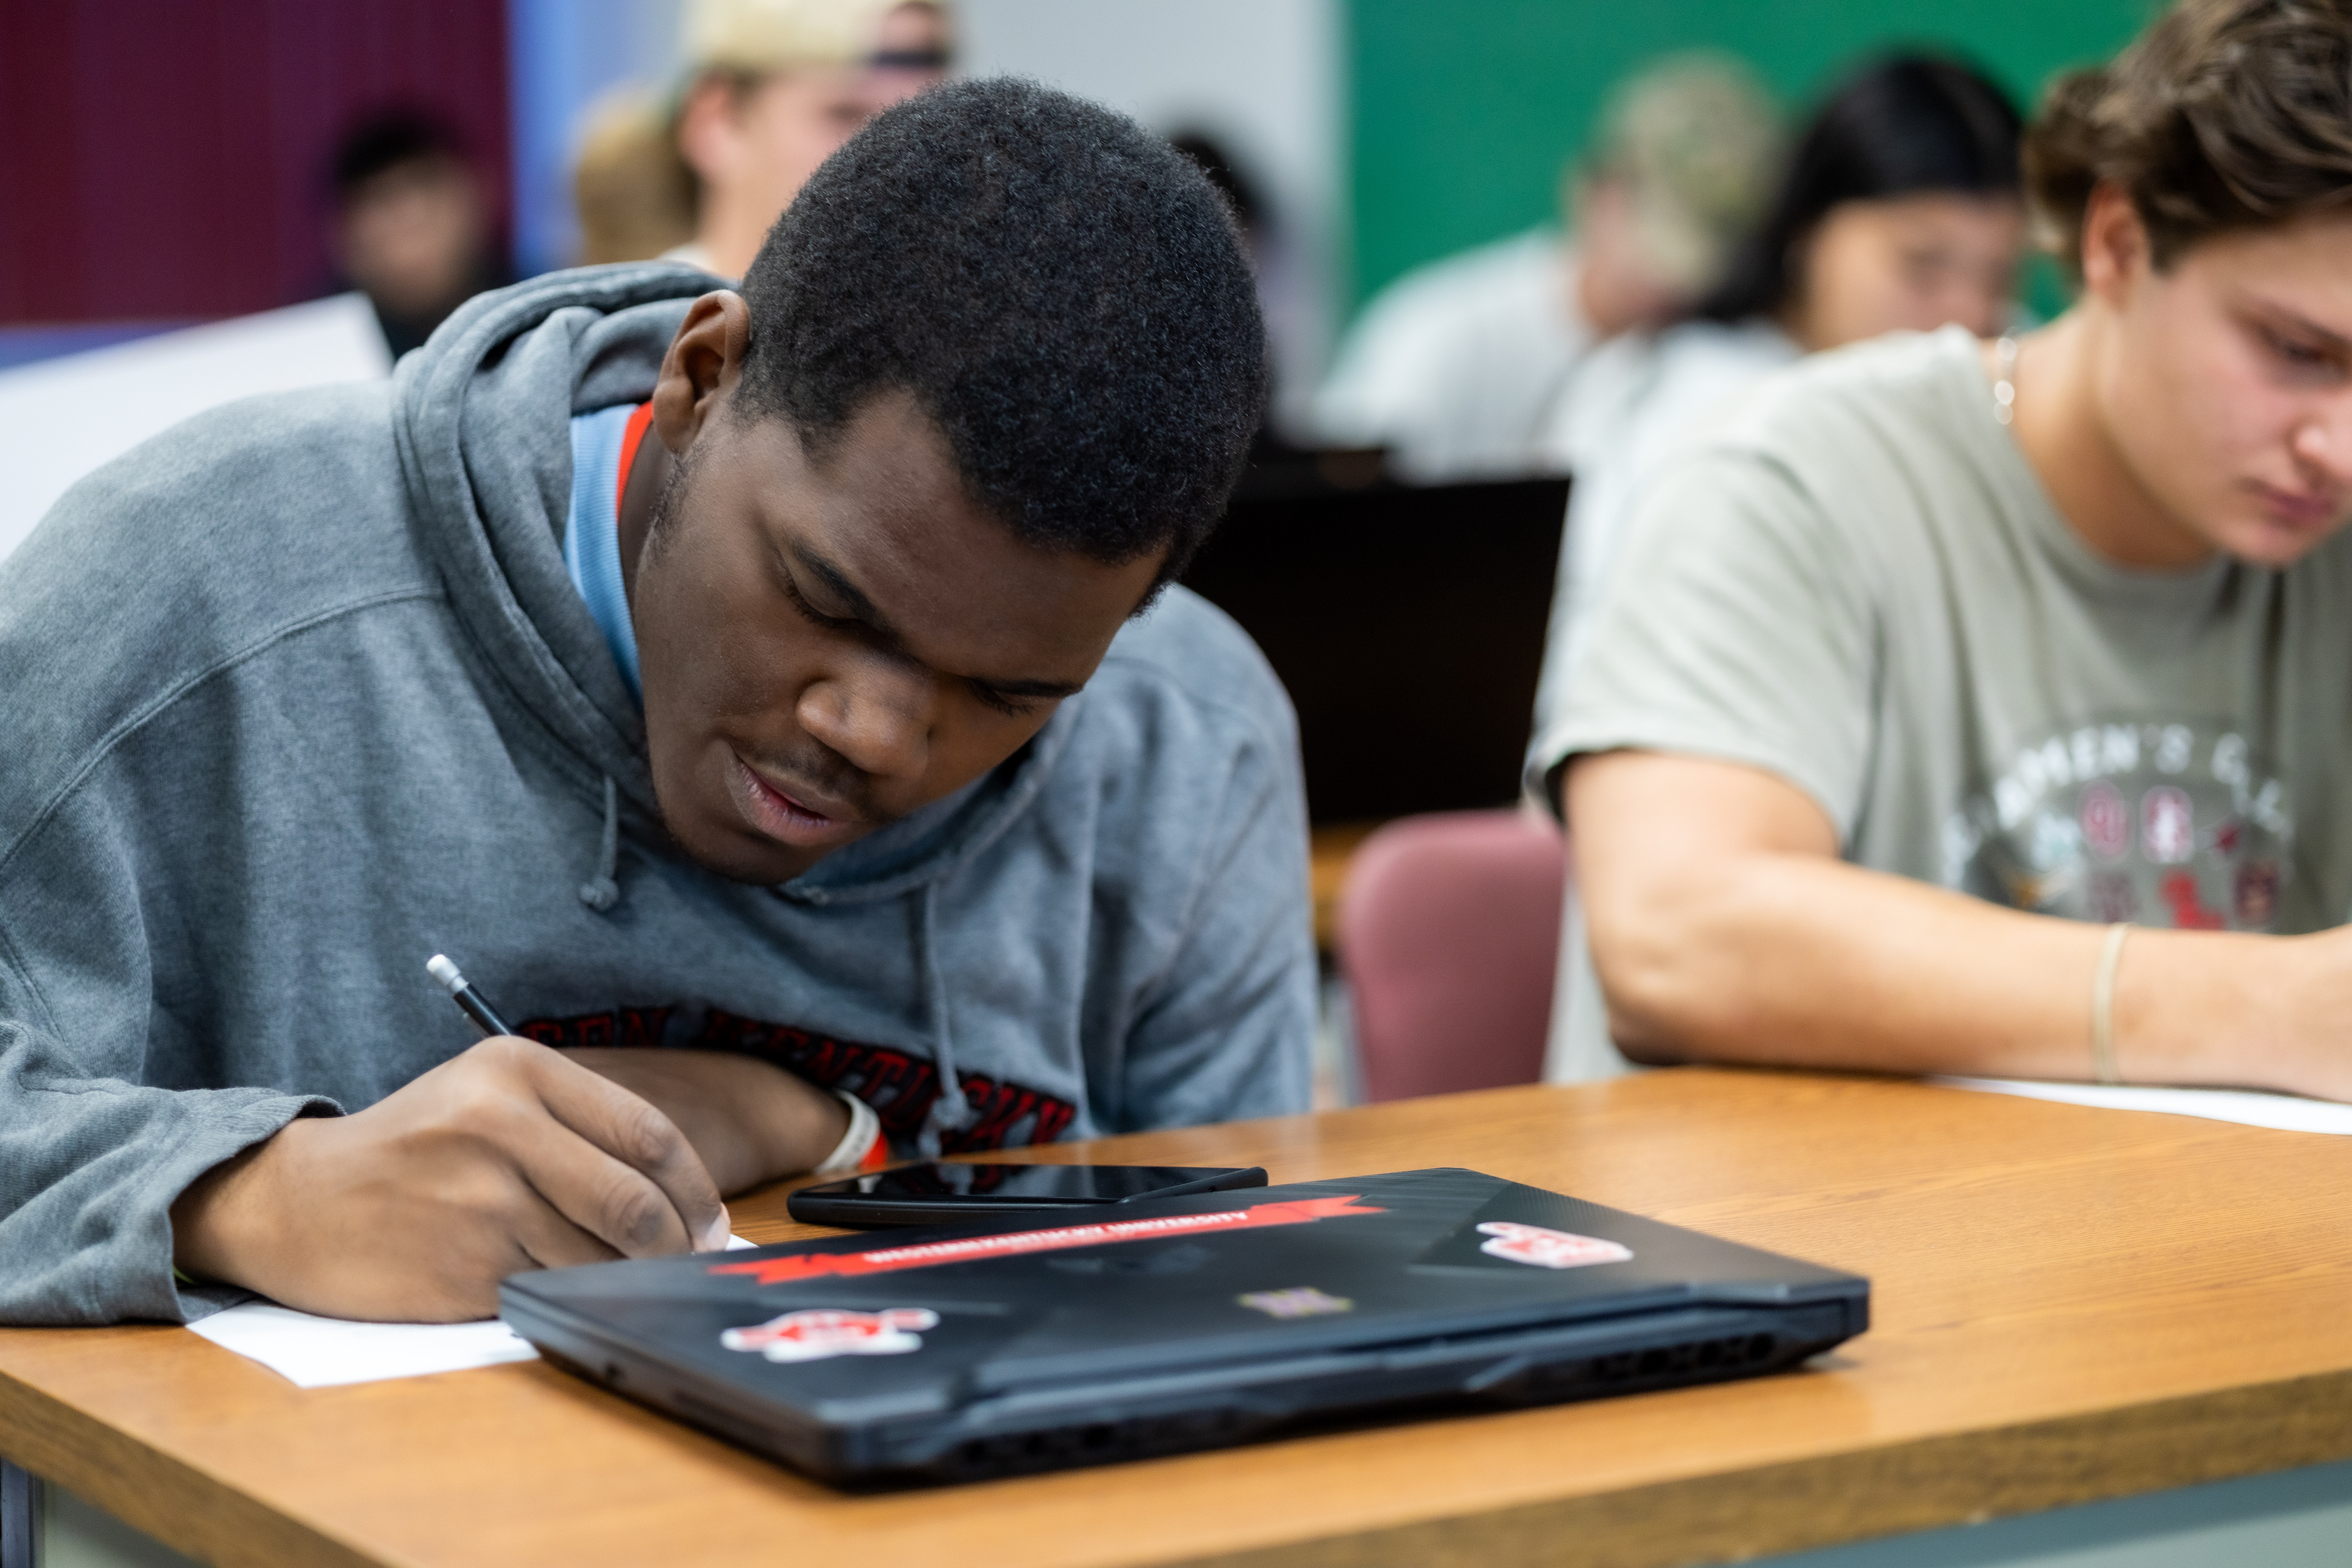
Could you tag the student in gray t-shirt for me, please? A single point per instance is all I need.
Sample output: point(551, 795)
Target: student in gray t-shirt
point(1951, 663)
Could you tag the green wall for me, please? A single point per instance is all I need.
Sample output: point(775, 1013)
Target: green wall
point(1462, 111)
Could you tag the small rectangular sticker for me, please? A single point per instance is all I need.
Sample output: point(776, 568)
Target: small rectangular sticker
point(822, 1332)
point(1542, 1247)
point(1298, 1301)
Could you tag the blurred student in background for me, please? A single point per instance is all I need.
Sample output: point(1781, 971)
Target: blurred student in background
point(771, 89)
point(1286, 294)
point(634, 195)
point(1951, 662)
point(911, 52)
point(411, 231)
point(1459, 368)
point(778, 86)
point(1900, 210)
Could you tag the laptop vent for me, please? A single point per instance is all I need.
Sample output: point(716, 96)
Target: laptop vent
point(1623, 1372)
point(1719, 1357)
point(1095, 1442)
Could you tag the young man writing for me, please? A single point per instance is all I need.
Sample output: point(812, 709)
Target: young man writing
point(792, 739)
point(1988, 707)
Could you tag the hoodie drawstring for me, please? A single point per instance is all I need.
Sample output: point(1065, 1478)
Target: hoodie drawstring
point(601, 891)
point(950, 1111)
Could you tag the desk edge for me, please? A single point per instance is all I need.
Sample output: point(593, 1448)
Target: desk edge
point(1828, 1500)
point(1864, 1493)
point(184, 1507)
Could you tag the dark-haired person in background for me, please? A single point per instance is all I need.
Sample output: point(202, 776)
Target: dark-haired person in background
point(412, 231)
point(1898, 211)
point(1952, 661)
point(778, 698)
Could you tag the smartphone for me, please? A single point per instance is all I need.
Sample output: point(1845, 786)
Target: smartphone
point(948, 1193)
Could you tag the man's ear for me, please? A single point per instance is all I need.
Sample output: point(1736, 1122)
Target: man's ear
point(2116, 249)
point(701, 366)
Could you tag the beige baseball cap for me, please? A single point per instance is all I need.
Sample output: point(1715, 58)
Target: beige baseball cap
point(774, 34)
point(1698, 146)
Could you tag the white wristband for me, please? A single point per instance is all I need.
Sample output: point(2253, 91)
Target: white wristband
point(865, 1127)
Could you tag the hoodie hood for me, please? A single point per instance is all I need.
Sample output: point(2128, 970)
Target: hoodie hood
point(481, 419)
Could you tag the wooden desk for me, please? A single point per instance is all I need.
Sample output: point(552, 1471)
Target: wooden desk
point(2072, 1305)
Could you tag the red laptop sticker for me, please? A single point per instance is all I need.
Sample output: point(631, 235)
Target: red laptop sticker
point(931, 1254)
point(820, 1333)
point(1544, 1248)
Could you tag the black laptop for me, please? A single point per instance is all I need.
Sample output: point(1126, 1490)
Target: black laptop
point(951, 1353)
point(1407, 623)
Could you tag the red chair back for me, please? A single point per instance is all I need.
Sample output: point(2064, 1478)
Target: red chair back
point(1448, 934)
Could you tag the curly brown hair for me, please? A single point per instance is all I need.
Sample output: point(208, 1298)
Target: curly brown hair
point(2224, 115)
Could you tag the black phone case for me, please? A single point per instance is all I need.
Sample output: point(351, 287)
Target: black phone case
point(829, 1204)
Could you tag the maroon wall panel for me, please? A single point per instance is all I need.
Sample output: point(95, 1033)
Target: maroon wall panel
point(166, 158)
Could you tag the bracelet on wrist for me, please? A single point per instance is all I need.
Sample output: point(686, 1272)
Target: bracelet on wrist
point(865, 1134)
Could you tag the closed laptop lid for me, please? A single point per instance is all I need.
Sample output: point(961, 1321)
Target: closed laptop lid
point(875, 1326)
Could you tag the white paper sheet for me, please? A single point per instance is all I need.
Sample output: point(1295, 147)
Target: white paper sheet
point(2286, 1113)
point(65, 416)
point(321, 1352)
point(318, 1352)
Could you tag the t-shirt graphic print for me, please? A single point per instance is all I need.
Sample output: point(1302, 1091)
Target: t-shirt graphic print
point(2171, 822)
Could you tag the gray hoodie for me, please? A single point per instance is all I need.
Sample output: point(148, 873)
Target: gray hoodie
point(299, 693)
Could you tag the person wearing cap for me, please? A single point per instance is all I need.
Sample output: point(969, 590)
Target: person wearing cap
point(1460, 368)
point(778, 86)
point(770, 90)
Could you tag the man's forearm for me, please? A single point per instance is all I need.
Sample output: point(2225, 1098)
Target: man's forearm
point(750, 1121)
point(1797, 958)
point(1725, 928)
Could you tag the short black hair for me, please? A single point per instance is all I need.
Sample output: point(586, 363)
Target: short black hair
point(387, 139)
point(1904, 126)
point(1063, 293)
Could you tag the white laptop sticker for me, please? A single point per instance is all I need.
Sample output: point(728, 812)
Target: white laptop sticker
point(818, 1332)
point(1532, 1244)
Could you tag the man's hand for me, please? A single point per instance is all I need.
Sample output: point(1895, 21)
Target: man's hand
point(750, 1120)
point(507, 1158)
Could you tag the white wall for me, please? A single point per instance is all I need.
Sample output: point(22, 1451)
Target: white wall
point(1262, 77)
